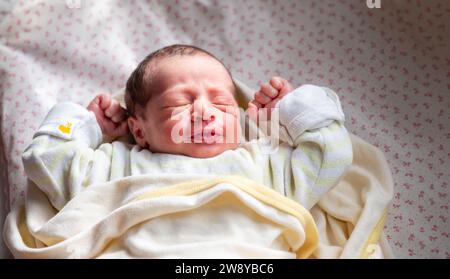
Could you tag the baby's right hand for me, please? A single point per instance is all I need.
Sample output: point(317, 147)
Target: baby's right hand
point(111, 117)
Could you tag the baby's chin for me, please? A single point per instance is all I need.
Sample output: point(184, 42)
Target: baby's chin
point(204, 150)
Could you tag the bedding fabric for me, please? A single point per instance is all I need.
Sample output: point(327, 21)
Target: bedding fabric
point(162, 216)
point(389, 66)
point(207, 213)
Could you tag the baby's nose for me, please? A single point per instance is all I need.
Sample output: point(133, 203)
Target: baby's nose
point(202, 116)
point(202, 112)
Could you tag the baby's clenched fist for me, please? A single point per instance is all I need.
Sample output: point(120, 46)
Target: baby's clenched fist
point(269, 94)
point(111, 117)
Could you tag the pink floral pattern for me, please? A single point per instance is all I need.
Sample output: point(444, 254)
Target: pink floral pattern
point(390, 66)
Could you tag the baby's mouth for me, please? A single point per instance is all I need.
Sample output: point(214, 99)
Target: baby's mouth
point(206, 136)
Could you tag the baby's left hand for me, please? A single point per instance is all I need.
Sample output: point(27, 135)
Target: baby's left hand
point(268, 96)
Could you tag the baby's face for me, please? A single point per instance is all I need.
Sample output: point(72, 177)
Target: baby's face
point(194, 112)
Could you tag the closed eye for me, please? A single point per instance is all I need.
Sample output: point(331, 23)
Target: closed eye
point(223, 101)
point(175, 100)
point(223, 104)
point(226, 108)
point(176, 105)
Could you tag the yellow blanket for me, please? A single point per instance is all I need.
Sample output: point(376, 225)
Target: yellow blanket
point(350, 218)
point(155, 217)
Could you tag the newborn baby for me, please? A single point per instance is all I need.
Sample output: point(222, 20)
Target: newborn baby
point(185, 91)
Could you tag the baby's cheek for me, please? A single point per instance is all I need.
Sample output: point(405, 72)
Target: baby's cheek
point(174, 129)
point(230, 124)
point(169, 127)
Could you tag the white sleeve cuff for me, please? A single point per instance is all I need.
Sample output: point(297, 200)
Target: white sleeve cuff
point(306, 108)
point(71, 121)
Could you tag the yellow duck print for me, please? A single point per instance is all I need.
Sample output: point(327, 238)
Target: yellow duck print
point(65, 129)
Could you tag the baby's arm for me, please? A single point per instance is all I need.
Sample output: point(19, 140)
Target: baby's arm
point(311, 121)
point(64, 157)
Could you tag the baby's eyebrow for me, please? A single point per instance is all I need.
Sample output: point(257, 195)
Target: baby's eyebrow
point(218, 90)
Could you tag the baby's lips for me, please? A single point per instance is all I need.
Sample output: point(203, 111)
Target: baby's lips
point(204, 132)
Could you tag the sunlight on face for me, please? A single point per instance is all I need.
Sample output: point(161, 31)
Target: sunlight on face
point(195, 102)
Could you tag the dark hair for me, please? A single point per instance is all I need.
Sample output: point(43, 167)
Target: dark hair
point(138, 86)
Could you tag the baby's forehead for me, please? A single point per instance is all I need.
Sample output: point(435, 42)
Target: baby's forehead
point(174, 61)
point(185, 69)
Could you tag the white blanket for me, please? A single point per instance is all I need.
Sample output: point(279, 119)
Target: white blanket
point(159, 217)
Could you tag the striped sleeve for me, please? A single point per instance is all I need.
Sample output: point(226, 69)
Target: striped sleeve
point(312, 121)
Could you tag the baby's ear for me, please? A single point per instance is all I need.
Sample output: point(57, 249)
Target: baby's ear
point(137, 131)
